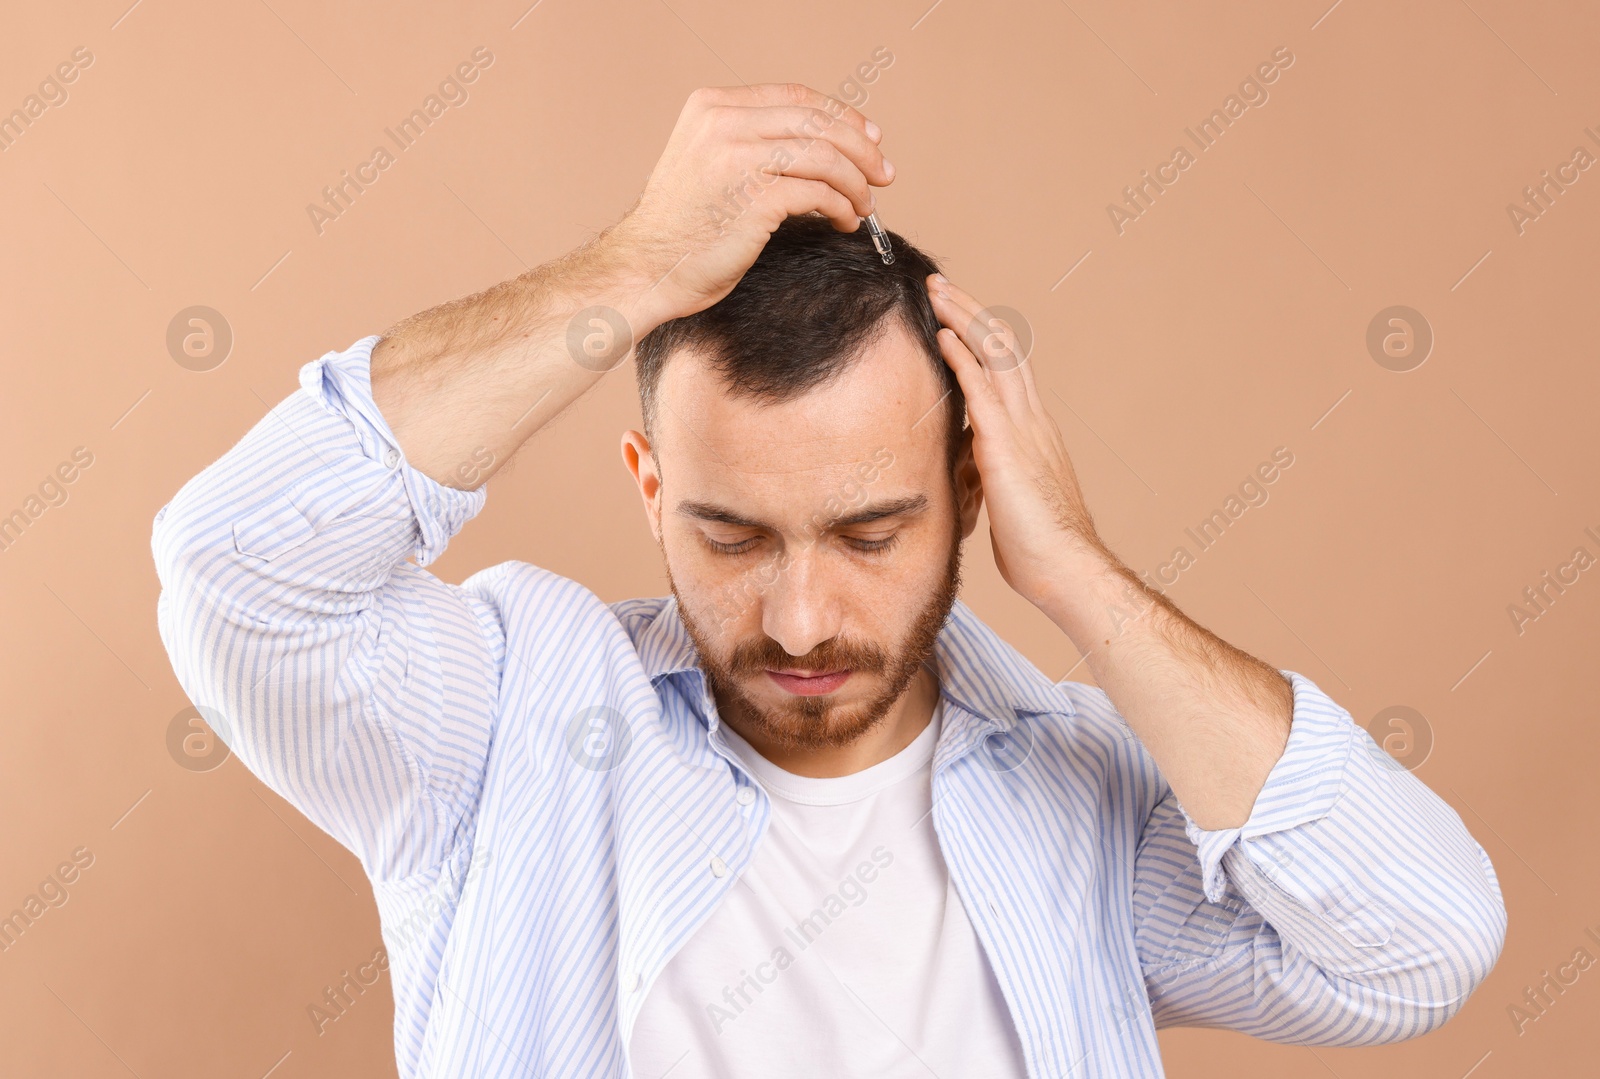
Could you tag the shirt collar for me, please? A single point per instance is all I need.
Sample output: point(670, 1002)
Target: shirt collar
point(977, 669)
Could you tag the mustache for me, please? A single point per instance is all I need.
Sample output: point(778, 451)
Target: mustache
point(830, 655)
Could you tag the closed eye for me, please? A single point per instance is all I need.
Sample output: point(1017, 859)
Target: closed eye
point(731, 548)
point(873, 545)
point(745, 546)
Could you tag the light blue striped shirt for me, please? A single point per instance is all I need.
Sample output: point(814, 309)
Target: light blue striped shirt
point(537, 785)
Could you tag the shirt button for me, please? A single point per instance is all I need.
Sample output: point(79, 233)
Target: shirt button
point(746, 795)
point(638, 981)
point(391, 458)
point(992, 908)
point(719, 868)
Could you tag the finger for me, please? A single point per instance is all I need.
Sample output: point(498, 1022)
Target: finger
point(787, 93)
point(983, 402)
point(798, 122)
point(794, 195)
point(1024, 370)
point(817, 159)
point(1000, 349)
point(989, 340)
point(1000, 346)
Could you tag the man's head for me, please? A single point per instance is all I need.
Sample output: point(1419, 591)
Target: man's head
point(808, 474)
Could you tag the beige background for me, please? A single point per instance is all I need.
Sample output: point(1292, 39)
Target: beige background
point(1229, 320)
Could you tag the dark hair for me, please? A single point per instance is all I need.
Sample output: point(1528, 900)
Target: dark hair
point(811, 303)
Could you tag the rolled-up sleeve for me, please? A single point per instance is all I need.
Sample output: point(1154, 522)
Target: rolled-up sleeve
point(353, 682)
point(1352, 907)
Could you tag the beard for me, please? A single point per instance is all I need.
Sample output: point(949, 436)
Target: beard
point(817, 722)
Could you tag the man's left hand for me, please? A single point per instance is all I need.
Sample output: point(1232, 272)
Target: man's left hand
point(1039, 526)
point(1214, 718)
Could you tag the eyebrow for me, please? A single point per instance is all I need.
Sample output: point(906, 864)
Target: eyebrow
point(896, 507)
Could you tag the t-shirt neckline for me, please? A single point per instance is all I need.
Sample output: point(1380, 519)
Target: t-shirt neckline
point(839, 790)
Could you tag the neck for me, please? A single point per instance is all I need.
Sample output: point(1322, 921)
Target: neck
point(907, 718)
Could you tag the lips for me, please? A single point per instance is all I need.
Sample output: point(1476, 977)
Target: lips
point(809, 685)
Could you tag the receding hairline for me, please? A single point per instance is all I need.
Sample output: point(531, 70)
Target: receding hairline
point(883, 328)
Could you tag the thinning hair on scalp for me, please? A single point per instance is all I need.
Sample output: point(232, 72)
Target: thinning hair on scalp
point(812, 303)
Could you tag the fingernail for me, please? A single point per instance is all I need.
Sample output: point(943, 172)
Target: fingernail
point(874, 132)
point(939, 277)
point(888, 168)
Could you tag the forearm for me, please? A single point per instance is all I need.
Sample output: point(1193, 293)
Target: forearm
point(1354, 908)
point(1214, 719)
point(464, 384)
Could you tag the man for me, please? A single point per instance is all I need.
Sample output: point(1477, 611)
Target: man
point(807, 816)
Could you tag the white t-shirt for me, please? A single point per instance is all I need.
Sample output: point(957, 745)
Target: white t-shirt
point(843, 950)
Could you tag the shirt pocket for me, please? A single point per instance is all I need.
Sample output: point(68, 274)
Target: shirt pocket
point(271, 529)
point(1362, 920)
point(289, 518)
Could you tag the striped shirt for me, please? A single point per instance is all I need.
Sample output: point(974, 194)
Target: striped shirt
point(538, 786)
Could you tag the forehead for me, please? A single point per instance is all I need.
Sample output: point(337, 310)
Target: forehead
point(769, 457)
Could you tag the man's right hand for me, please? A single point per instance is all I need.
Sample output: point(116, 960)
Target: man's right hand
point(740, 160)
point(462, 385)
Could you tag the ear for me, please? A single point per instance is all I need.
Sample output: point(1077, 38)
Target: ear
point(641, 462)
point(969, 485)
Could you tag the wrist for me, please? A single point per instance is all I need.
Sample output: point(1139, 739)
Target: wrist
point(610, 272)
point(1095, 597)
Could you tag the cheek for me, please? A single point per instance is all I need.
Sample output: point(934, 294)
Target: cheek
point(901, 584)
point(720, 592)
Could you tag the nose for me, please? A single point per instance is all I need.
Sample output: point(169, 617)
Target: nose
point(799, 609)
